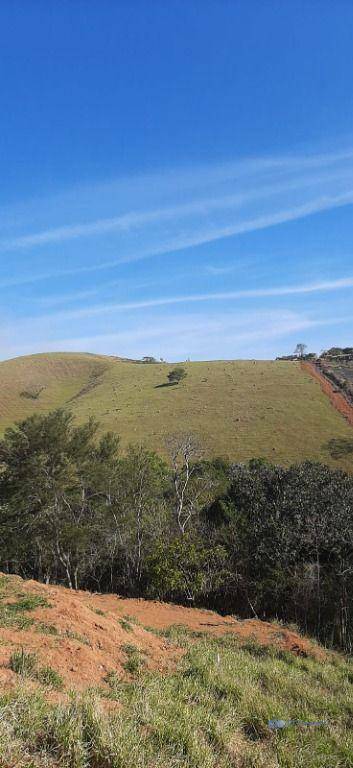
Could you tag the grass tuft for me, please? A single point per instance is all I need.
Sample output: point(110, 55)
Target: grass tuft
point(50, 677)
point(23, 663)
point(14, 614)
point(135, 662)
point(28, 603)
point(77, 636)
point(212, 711)
point(126, 625)
point(47, 629)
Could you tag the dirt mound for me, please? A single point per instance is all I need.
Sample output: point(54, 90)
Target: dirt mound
point(85, 637)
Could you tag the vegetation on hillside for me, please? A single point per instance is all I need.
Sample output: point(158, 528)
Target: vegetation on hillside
point(176, 375)
point(252, 539)
point(236, 409)
point(213, 711)
point(340, 372)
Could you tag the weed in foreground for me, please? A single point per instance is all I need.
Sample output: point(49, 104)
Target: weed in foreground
point(135, 662)
point(126, 625)
point(50, 677)
point(47, 629)
point(25, 664)
point(28, 603)
point(213, 711)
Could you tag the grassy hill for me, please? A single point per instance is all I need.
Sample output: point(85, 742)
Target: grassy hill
point(238, 409)
point(96, 681)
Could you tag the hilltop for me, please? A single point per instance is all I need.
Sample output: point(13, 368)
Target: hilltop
point(238, 409)
point(95, 681)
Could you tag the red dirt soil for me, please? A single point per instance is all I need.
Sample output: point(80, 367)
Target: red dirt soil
point(338, 401)
point(81, 635)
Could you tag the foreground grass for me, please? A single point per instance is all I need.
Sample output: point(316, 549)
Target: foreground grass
point(211, 712)
point(237, 409)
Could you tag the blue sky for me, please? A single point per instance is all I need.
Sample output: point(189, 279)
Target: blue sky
point(176, 177)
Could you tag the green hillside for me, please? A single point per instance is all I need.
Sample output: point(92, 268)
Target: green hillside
point(238, 409)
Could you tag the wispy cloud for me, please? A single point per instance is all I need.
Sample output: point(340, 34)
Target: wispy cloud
point(112, 286)
point(203, 206)
point(158, 217)
point(178, 210)
point(166, 183)
point(214, 269)
point(163, 301)
point(201, 237)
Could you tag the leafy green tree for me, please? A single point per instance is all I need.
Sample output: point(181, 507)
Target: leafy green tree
point(176, 375)
point(185, 570)
point(137, 516)
point(253, 539)
point(53, 479)
point(289, 535)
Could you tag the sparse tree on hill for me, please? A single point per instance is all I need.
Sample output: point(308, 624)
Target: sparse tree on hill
point(300, 350)
point(177, 375)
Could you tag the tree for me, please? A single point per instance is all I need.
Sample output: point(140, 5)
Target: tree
point(176, 375)
point(252, 539)
point(136, 518)
point(54, 480)
point(192, 481)
point(185, 569)
point(300, 349)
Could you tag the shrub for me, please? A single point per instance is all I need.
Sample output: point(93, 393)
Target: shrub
point(176, 375)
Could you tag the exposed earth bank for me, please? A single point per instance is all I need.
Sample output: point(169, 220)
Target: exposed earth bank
point(85, 636)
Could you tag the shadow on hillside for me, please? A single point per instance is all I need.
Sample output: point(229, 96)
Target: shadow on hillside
point(339, 447)
point(167, 384)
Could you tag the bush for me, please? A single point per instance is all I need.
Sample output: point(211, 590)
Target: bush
point(176, 375)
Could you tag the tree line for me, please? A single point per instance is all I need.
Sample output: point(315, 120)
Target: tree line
point(250, 539)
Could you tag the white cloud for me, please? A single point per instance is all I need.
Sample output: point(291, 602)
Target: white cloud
point(154, 216)
point(202, 206)
point(201, 237)
point(213, 269)
point(168, 212)
point(256, 293)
